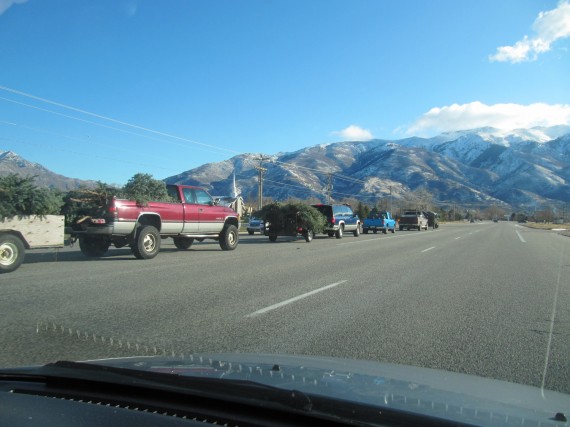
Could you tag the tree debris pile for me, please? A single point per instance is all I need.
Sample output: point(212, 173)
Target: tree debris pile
point(291, 216)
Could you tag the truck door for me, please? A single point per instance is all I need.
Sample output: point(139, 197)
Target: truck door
point(211, 217)
point(191, 212)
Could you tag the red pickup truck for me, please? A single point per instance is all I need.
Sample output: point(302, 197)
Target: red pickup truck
point(194, 216)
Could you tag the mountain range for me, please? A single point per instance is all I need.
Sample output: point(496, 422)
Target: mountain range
point(525, 167)
point(12, 163)
point(479, 167)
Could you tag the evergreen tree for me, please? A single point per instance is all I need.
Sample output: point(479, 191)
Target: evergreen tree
point(21, 196)
point(144, 188)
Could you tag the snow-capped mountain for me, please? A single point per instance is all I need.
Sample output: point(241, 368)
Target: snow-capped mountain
point(525, 167)
point(11, 163)
point(480, 166)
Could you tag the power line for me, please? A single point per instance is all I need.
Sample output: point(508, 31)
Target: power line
point(99, 116)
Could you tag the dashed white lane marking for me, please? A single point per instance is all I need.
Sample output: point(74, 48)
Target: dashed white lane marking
point(297, 298)
point(520, 237)
point(428, 249)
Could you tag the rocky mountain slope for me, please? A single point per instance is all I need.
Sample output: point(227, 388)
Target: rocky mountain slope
point(11, 163)
point(522, 168)
point(482, 166)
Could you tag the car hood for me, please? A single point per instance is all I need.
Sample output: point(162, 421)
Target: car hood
point(427, 392)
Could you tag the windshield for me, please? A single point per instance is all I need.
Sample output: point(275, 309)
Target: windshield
point(112, 111)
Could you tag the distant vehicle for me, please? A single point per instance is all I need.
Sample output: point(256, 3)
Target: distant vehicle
point(28, 232)
point(255, 224)
point(413, 220)
point(340, 219)
point(433, 219)
point(193, 216)
point(379, 221)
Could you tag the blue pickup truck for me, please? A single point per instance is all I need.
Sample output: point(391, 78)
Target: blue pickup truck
point(379, 220)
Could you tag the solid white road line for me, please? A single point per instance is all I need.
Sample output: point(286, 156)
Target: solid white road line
point(552, 320)
point(520, 237)
point(291, 300)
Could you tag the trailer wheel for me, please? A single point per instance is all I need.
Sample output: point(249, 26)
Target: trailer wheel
point(12, 253)
point(229, 238)
point(308, 235)
point(93, 246)
point(272, 238)
point(147, 242)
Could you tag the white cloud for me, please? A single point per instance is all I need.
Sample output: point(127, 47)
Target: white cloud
point(548, 27)
point(5, 4)
point(501, 116)
point(354, 133)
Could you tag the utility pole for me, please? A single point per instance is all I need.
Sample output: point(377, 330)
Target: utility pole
point(260, 170)
point(391, 200)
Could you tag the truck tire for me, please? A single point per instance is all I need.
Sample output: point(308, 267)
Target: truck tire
point(183, 243)
point(12, 252)
point(229, 238)
point(339, 232)
point(93, 247)
point(357, 231)
point(272, 238)
point(384, 231)
point(401, 228)
point(308, 235)
point(250, 232)
point(375, 231)
point(419, 228)
point(147, 242)
point(365, 230)
point(330, 233)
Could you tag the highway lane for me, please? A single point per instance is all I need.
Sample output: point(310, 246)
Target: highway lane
point(486, 299)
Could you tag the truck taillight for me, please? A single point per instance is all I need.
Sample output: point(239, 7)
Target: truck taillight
point(113, 210)
point(333, 220)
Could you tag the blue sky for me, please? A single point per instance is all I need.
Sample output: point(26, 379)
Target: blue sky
point(105, 89)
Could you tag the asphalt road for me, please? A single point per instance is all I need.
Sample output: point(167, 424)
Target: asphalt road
point(489, 299)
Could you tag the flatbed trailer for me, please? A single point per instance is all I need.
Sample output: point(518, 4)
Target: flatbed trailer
point(28, 232)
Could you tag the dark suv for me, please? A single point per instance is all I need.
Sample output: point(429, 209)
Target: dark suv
point(340, 219)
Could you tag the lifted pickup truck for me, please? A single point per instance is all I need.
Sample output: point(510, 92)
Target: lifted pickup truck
point(28, 232)
point(194, 216)
point(415, 220)
point(382, 221)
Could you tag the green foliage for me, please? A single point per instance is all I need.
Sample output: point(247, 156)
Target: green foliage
point(87, 201)
point(362, 210)
point(21, 196)
point(283, 215)
point(143, 188)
